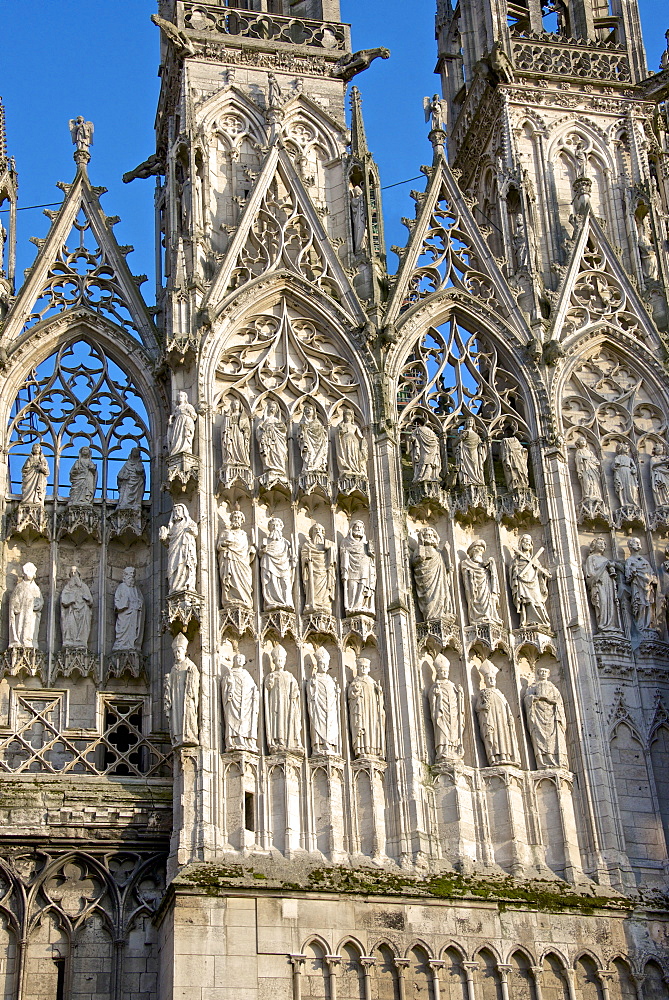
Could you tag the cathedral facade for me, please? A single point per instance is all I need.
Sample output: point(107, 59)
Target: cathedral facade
point(334, 638)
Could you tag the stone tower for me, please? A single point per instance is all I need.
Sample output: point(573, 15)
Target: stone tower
point(335, 643)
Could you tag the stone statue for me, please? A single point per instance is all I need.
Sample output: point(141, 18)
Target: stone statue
point(277, 568)
point(82, 133)
point(131, 482)
point(83, 479)
point(434, 112)
point(181, 427)
point(546, 721)
point(182, 696)
point(271, 435)
point(235, 556)
point(481, 583)
point(241, 704)
point(447, 706)
point(179, 536)
point(647, 254)
point(350, 446)
point(129, 608)
point(34, 477)
point(431, 566)
point(318, 561)
point(236, 436)
point(283, 715)
point(358, 216)
point(323, 705)
point(514, 463)
point(643, 584)
point(659, 474)
point(367, 713)
point(529, 584)
point(76, 612)
point(469, 456)
point(625, 476)
point(356, 62)
point(520, 247)
point(312, 439)
point(496, 720)
point(600, 579)
point(358, 571)
point(25, 610)
point(588, 471)
point(425, 453)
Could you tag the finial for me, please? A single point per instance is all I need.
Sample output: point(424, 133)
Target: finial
point(82, 137)
point(358, 135)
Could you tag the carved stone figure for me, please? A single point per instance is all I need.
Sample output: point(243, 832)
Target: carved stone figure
point(76, 612)
point(434, 112)
point(358, 571)
point(277, 567)
point(323, 705)
point(425, 453)
point(514, 463)
point(181, 427)
point(625, 476)
point(600, 579)
point(529, 584)
point(659, 474)
point(496, 720)
point(235, 556)
point(350, 446)
point(82, 133)
point(34, 477)
point(182, 696)
point(470, 456)
point(431, 566)
point(367, 712)
point(447, 706)
point(282, 705)
point(179, 536)
point(131, 481)
point(129, 608)
point(312, 439)
point(481, 583)
point(358, 216)
point(588, 471)
point(356, 62)
point(241, 704)
point(643, 585)
point(647, 254)
point(271, 434)
point(318, 560)
point(83, 479)
point(25, 610)
point(236, 436)
point(546, 721)
point(519, 241)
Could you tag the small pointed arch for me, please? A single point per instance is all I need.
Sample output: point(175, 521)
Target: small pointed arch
point(587, 983)
point(419, 973)
point(453, 978)
point(656, 981)
point(385, 971)
point(351, 977)
point(565, 133)
point(486, 976)
point(621, 983)
point(315, 944)
point(316, 974)
point(420, 945)
point(301, 110)
point(521, 977)
point(231, 113)
point(386, 943)
point(353, 944)
point(48, 951)
point(554, 982)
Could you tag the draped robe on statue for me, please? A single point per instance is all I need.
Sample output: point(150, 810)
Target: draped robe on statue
point(481, 589)
point(25, 607)
point(240, 706)
point(425, 454)
point(351, 448)
point(182, 698)
point(129, 606)
point(625, 480)
point(76, 602)
point(587, 470)
point(83, 479)
point(546, 722)
point(602, 589)
point(313, 441)
point(323, 704)
point(446, 705)
point(131, 481)
point(234, 567)
point(34, 477)
point(277, 571)
point(497, 727)
point(236, 437)
point(433, 581)
point(365, 699)
point(282, 711)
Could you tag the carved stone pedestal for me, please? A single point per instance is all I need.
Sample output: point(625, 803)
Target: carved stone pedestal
point(540, 637)
point(473, 503)
point(428, 498)
point(126, 662)
point(319, 624)
point(369, 820)
point(280, 623)
point(593, 512)
point(354, 487)
point(237, 621)
point(127, 525)
point(21, 660)
point(76, 661)
point(659, 520)
point(183, 613)
point(29, 521)
point(357, 630)
point(517, 507)
point(438, 632)
point(316, 482)
point(180, 349)
point(630, 517)
point(80, 522)
point(270, 482)
point(231, 476)
point(183, 473)
point(489, 635)
point(613, 652)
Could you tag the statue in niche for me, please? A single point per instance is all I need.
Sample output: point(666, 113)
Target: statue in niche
point(271, 434)
point(235, 556)
point(179, 536)
point(425, 451)
point(83, 479)
point(182, 696)
point(519, 242)
point(588, 471)
point(312, 439)
point(76, 612)
point(496, 720)
point(277, 568)
point(481, 583)
point(659, 474)
point(643, 584)
point(236, 436)
point(546, 721)
point(600, 579)
point(358, 216)
point(470, 456)
point(431, 566)
point(367, 713)
point(241, 704)
point(131, 482)
point(283, 714)
point(318, 560)
point(514, 463)
point(34, 477)
point(181, 427)
point(647, 254)
point(323, 705)
point(25, 610)
point(529, 584)
point(129, 608)
point(350, 446)
point(447, 706)
point(625, 476)
point(358, 571)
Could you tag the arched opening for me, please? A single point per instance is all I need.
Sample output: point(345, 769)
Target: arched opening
point(419, 974)
point(488, 982)
point(554, 984)
point(385, 975)
point(655, 983)
point(521, 978)
point(92, 957)
point(351, 985)
point(587, 983)
point(316, 977)
point(621, 984)
point(453, 979)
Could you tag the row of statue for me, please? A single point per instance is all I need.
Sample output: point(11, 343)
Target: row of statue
point(625, 475)
point(76, 612)
point(131, 479)
point(605, 578)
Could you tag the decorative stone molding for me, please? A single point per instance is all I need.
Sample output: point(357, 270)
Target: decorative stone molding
point(22, 661)
point(127, 662)
point(183, 613)
point(76, 661)
point(80, 523)
point(127, 525)
point(236, 620)
point(183, 473)
point(28, 521)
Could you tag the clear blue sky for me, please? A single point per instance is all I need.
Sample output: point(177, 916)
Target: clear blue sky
point(62, 58)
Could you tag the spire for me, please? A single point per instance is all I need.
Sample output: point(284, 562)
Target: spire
point(358, 136)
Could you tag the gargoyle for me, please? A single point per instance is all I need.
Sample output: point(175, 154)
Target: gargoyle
point(151, 167)
point(179, 39)
point(352, 64)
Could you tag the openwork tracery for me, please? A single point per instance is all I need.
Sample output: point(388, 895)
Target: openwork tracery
point(598, 297)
